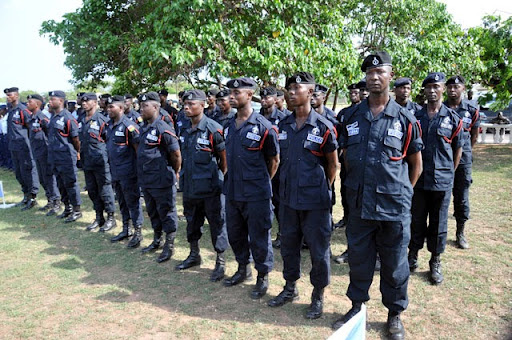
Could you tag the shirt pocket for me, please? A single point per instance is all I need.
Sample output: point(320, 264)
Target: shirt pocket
point(389, 198)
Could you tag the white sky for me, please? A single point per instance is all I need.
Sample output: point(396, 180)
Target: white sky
point(31, 62)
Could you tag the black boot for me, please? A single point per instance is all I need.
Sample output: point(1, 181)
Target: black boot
point(154, 245)
point(288, 294)
point(243, 273)
point(277, 242)
point(412, 257)
point(54, 209)
point(48, 206)
point(98, 222)
point(193, 259)
point(109, 223)
point(168, 249)
point(123, 234)
point(137, 237)
point(75, 215)
point(356, 308)
point(31, 202)
point(68, 210)
point(23, 202)
point(462, 243)
point(343, 258)
point(395, 327)
point(316, 307)
point(220, 268)
point(261, 286)
point(436, 276)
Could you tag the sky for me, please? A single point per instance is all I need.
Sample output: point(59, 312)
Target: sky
point(31, 62)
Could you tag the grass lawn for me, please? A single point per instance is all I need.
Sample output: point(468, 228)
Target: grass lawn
point(59, 281)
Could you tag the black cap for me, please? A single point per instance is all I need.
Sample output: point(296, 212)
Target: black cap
point(242, 83)
point(223, 93)
point(11, 89)
point(402, 81)
point(58, 94)
point(377, 59)
point(321, 88)
point(89, 96)
point(194, 95)
point(268, 91)
point(105, 95)
point(115, 99)
point(212, 92)
point(352, 87)
point(79, 94)
point(434, 77)
point(150, 96)
point(300, 78)
point(35, 96)
point(128, 96)
point(71, 102)
point(280, 93)
point(163, 92)
point(362, 84)
point(456, 80)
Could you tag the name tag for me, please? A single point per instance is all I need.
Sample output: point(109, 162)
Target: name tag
point(446, 126)
point(203, 141)
point(16, 115)
point(253, 136)
point(179, 123)
point(353, 131)
point(94, 126)
point(36, 125)
point(395, 133)
point(152, 138)
point(466, 120)
point(282, 136)
point(61, 123)
point(120, 133)
point(315, 139)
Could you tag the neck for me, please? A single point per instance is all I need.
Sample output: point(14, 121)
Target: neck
point(227, 111)
point(454, 102)
point(320, 109)
point(245, 111)
point(15, 103)
point(402, 102)
point(302, 111)
point(34, 110)
point(268, 110)
point(196, 119)
point(153, 118)
point(433, 107)
point(117, 118)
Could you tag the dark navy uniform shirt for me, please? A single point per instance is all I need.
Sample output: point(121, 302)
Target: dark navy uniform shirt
point(62, 128)
point(135, 117)
point(17, 128)
point(375, 149)
point(93, 133)
point(441, 136)
point(275, 117)
point(121, 138)
point(223, 119)
point(200, 175)
point(247, 148)
point(303, 182)
point(157, 141)
point(39, 134)
point(413, 107)
point(210, 113)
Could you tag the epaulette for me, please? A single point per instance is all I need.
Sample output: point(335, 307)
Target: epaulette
point(350, 112)
point(410, 117)
point(213, 126)
point(264, 121)
point(325, 121)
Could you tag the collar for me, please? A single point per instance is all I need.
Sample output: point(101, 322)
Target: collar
point(201, 126)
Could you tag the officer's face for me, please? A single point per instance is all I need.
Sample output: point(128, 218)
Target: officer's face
point(56, 103)
point(33, 104)
point(402, 93)
point(354, 96)
point(103, 103)
point(378, 79)
point(268, 101)
point(299, 94)
point(317, 99)
point(148, 110)
point(128, 103)
point(88, 104)
point(211, 100)
point(163, 98)
point(279, 101)
point(223, 104)
point(193, 108)
point(240, 97)
point(434, 92)
point(78, 101)
point(12, 97)
point(115, 110)
point(455, 91)
point(363, 94)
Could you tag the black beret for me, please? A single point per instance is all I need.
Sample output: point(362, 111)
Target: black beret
point(321, 88)
point(434, 77)
point(105, 95)
point(456, 80)
point(242, 83)
point(89, 96)
point(35, 96)
point(128, 96)
point(268, 91)
point(79, 94)
point(163, 92)
point(361, 84)
point(352, 87)
point(115, 99)
point(194, 95)
point(280, 93)
point(58, 94)
point(11, 89)
point(212, 92)
point(300, 78)
point(377, 59)
point(150, 96)
point(71, 102)
point(223, 93)
point(402, 81)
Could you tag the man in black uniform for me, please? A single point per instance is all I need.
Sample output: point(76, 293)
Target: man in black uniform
point(381, 142)
point(363, 91)
point(403, 88)
point(280, 103)
point(103, 103)
point(129, 112)
point(211, 99)
point(19, 145)
point(252, 152)
point(163, 94)
point(158, 163)
point(309, 164)
point(94, 156)
point(469, 114)
point(226, 111)
point(202, 176)
point(441, 128)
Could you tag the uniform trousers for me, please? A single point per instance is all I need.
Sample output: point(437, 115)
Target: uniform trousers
point(461, 185)
point(47, 179)
point(26, 171)
point(67, 183)
point(99, 189)
point(161, 208)
point(128, 196)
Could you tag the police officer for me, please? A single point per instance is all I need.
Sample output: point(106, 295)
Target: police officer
point(94, 156)
point(18, 118)
point(212, 110)
point(103, 103)
point(129, 112)
point(468, 113)
point(39, 144)
point(403, 88)
point(226, 111)
point(158, 162)
point(443, 148)
point(280, 103)
point(63, 152)
point(171, 111)
point(309, 164)
point(122, 143)
point(253, 157)
point(381, 143)
point(363, 91)
point(202, 175)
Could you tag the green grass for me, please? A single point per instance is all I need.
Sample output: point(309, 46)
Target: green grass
point(59, 281)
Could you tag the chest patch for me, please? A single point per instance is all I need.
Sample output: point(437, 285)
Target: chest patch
point(254, 134)
point(282, 136)
point(353, 129)
point(94, 125)
point(446, 123)
point(152, 136)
